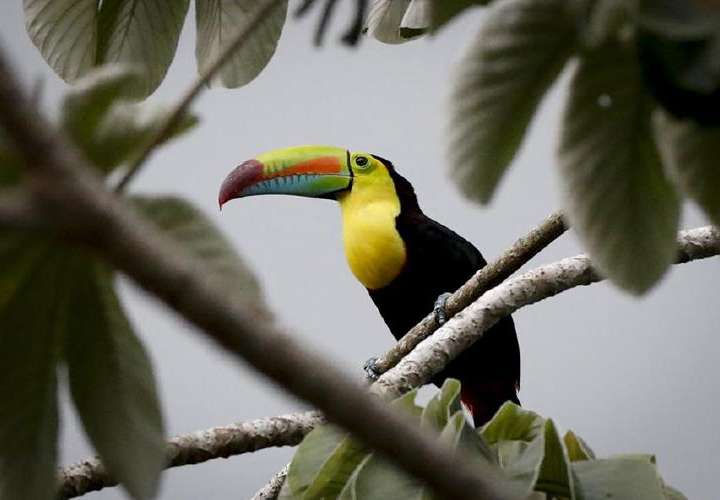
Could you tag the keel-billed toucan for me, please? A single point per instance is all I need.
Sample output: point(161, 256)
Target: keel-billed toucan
point(405, 259)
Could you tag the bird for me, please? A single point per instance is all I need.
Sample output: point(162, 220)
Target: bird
point(407, 261)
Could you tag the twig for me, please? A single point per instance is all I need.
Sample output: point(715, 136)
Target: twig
point(194, 91)
point(486, 278)
point(271, 490)
point(74, 197)
point(218, 442)
point(435, 352)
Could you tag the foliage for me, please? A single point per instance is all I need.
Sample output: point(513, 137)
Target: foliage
point(75, 36)
point(59, 308)
point(524, 446)
point(620, 192)
point(635, 60)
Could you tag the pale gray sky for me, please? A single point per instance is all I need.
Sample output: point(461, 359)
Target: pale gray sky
point(628, 374)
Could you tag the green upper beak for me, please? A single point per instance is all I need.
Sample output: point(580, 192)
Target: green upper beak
point(313, 171)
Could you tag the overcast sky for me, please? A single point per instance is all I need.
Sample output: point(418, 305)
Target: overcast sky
point(627, 374)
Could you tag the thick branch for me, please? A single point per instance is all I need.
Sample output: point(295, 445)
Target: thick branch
point(75, 199)
point(194, 91)
point(435, 352)
point(489, 276)
point(201, 446)
point(17, 210)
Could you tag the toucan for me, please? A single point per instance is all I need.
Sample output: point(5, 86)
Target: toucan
point(405, 259)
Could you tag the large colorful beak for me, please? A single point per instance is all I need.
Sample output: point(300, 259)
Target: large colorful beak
point(313, 171)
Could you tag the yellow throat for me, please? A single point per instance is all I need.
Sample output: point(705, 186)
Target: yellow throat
point(374, 249)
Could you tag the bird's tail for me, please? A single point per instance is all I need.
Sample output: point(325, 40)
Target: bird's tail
point(484, 400)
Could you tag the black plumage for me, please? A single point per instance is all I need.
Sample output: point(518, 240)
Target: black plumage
point(438, 261)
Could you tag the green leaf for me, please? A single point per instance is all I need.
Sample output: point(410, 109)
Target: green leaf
point(617, 197)
point(577, 449)
point(31, 300)
point(443, 11)
point(310, 457)
point(65, 33)
point(143, 33)
point(442, 406)
point(182, 222)
point(616, 478)
point(337, 469)
point(519, 52)
point(513, 423)
point(397, 21)
point(217, 23)
point(112, 382)
point(689, 152)
point(378, 479)
point(555, 477)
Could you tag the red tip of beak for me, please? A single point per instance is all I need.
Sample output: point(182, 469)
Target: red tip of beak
point(243, 176)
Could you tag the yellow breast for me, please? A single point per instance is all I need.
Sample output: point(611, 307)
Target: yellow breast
point(373, 247)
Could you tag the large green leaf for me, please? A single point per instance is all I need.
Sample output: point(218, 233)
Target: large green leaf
point(217, 23)
point(617, 197)
point(442, 406)
point(518, 53)
point(65, 33)
point(112, 382)
point(577, 449)
point(141, 32)
point(690, 153)
point(181, 221)
point(616, 478)
point(31, 314)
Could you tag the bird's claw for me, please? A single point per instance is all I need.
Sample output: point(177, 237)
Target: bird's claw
point(439, 308)
point(371, 370)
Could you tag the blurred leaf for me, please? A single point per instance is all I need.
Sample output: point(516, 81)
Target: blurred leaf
point(386, 17)
point(65, 33)
point(616, 478)
point(10, 162)
point(690, 154)
point(517, 55)
point(617, 197)
point(378, 479)
point(99, 117)
point(679, 48)
point(112, 382)
point(217, 23)
point(185, 224)
point(337, 469)
point(443, 11)
point(577, 449)
point(672, 494)
point(31, 312)
point(607, 20)
point(141, 32)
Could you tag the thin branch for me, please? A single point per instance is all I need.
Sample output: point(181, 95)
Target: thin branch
point(73, 197)
point(194, 91)
point(486, 278)
point(435, 352)
point(218, 442)
point(271, 490)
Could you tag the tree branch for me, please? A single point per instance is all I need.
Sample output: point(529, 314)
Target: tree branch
point(486, 278)
point(218, 442)
point(435, 352)
point(18, 211)
point(74, 198)
point(271, 490)
point(194, 91)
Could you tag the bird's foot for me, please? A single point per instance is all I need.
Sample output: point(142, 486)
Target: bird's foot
point(439, 308)
point(371, 370)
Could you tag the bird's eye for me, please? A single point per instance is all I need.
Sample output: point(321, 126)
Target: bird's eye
point(361, 161)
